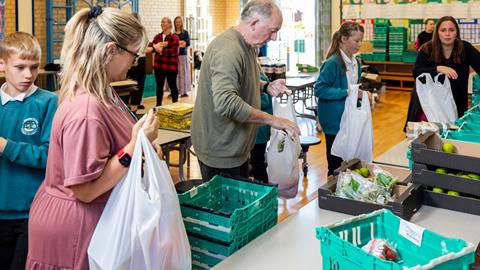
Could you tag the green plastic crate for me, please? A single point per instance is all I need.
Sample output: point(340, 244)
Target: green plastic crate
point(206, 257)
point(409, 58)
point(224, 208)
point(341, 243)
point(469, 118)
point(395, 58)
point(366, 56)
point(380, 43)
point(398, 29)
point(462, 136)
point(381, 22)
point(380, 30)
point(380, 57)
point(196, 265)
point(210, 251)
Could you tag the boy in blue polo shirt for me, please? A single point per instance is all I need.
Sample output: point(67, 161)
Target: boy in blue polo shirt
point(26, 114)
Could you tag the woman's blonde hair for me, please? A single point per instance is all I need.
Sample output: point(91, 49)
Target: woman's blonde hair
point(84, 53)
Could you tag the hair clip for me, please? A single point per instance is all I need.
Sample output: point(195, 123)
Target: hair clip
point(95, 11)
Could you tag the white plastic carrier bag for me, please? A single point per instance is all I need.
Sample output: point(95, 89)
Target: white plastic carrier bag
point(355, 136)
point(141, 226)
point(436, 99)
point(283, 152)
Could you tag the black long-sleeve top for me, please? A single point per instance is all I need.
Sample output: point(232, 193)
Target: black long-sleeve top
point(460, 85)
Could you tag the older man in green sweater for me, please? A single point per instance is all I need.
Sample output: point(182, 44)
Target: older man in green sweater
point(227, 106)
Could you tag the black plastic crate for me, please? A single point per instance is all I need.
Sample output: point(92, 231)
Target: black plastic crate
point(424, 175)
point(427, 149)
point(456, 203)
point(407, 201)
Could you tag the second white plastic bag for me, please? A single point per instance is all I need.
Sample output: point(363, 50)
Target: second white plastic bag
point(355, 137)
point(436, 99)
point(141, 226)
point(283, 152)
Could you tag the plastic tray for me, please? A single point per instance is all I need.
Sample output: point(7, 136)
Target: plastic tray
point(341, 243)
point(462, 136)
point(225, 208)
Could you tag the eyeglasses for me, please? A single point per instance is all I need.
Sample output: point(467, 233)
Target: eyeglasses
point(135, 55)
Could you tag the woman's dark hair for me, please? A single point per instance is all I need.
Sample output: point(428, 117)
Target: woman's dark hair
point(428, 20)
point(434, 47)
point(346, 30)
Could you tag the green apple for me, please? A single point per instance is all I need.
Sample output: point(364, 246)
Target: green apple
point(437, 190)
point(441, 170)
point(364, 172)
point(451, 174)
point(474, 176)
point(460, 174)
point(448, 148)
point(453, 193)
point(465, 176)
point(358, 171)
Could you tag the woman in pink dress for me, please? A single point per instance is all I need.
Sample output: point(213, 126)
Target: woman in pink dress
point(93, 135)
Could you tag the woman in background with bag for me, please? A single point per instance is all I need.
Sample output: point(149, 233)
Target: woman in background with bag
point(446, 54)
point(338, 72)
point(93, 137)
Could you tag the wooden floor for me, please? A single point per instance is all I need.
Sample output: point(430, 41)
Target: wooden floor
point(389, 115)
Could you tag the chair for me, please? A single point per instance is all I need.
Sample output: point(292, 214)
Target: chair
point(305, 143)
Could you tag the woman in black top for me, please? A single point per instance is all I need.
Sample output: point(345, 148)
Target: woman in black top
point(450, 55)
point(183, 79)
point(425, 35)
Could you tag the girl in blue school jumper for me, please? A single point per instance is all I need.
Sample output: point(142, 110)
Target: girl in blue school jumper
point(340, 70)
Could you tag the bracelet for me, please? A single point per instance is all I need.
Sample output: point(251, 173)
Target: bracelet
point(265, 86)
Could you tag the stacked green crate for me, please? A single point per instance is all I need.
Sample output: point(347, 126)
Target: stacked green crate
point(398, 40)
point(380, 39)
point(224, 214)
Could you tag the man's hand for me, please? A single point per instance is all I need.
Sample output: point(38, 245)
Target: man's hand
point(182, 44)
point(3, 144)
point(277, 88)
point(283, 124)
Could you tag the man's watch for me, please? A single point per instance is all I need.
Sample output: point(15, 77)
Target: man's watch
point(124, 158)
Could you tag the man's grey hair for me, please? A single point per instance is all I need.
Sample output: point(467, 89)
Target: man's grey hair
point(257, 8)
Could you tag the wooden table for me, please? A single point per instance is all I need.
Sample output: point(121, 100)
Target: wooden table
point(302, 90)
point(397, 75)
point(171, 140)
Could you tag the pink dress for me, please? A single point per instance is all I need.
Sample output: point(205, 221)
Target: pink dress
point(85, 134)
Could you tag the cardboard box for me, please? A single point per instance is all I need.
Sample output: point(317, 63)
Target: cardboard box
point(427, 176)
point(407, 197)
point(427, 149)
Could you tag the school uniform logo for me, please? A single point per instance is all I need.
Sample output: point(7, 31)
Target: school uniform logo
point(29, 126)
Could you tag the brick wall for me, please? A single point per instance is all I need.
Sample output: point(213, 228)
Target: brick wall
point(232, 11)
point(10, 19)
point(40, 29)
point(152, 12)
point(217, 11)
point(225, 13)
